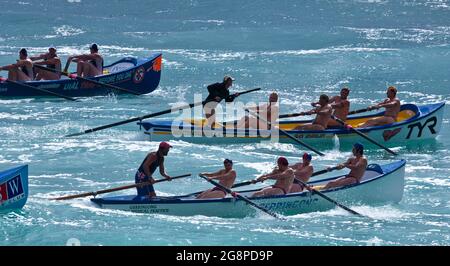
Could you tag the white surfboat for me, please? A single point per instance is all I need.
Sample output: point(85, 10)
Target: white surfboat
point(381, 184)
point(413, 123)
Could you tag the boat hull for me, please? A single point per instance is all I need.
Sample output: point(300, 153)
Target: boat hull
point(425, 124)
point(139, 75)
point(381, 185)
point(13, 188)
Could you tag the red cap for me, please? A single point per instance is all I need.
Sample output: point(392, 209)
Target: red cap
point(282, 161)
point(164, 145)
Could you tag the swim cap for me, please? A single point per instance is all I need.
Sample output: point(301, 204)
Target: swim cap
point(307, 156)
point(359, 147)
point(228, 161)
point(282, 161)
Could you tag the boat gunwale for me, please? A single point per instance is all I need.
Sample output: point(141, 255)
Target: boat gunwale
point(419, 115)
point(390, 168)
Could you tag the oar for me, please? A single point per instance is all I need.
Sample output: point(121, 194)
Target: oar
point(287, 134)
point(250, 182)
point(359, 111)
point(241, 197)
point(147, 116)
point(88, 80)
point(94, 193)
point(38, 89)
point(328, 198)
point(303, 113)
point(362, 134)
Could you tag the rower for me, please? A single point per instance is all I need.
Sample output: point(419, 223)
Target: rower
point(152, 161)
point(22, 70)
point(341, 106)
point(217, 92)
point(226, 178)
point(323, 115)
point(88, 65)
point(50, 60)
point(268, 111)
point(357, 166)
point(392, 106)
point(303, 172)
point(283, 175)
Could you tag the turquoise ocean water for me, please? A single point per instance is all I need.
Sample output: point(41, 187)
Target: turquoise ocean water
point(299, 48)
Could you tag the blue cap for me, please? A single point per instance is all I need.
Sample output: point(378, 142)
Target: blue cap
point(359, 147)
point(228, 161)
point(307, 156)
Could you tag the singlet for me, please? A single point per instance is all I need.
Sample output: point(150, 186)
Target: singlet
point(153, 166)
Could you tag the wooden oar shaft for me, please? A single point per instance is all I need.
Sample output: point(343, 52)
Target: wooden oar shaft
point(287, 134)
point(363, 135)
point(358, 111)
point(241, 197)
point(41, 90)
point(147, 116)
point(116, 189)
point(328, 198)
point(302, 113)
point(88, 80)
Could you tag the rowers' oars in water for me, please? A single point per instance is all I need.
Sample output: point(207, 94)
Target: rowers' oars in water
point(94, 193)
point(328, 198)
point(285, 133)
point(302, 113)
point(87, 80)
point(241, 197)
point(147, 116)
point(362, 134)
point(38, 89)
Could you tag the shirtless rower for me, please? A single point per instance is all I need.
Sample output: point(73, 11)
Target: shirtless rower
point(357, 166)
point(22, 70)
point(341, 106)
point(50, 60)
point(88, 65)
point(392, 105)
point(303, 172)
point(283, 175)
point(266, 111)
point(323, 115)
point(226, 178)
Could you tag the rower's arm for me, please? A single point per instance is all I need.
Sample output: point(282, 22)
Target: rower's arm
point(41, 56)
point(387, 105)
point(162, 170)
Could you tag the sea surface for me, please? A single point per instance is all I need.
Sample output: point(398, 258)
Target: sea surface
point(300, 49)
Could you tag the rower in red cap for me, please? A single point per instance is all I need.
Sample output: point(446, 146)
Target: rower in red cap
point(283, 176)
point(152, 161)
point(303, 172)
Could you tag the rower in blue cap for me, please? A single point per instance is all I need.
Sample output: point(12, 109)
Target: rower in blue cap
point(357, 166)
point(303, 172)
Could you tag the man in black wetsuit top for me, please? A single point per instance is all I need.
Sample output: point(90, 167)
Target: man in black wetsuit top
point(152, 161)
point(218, 92)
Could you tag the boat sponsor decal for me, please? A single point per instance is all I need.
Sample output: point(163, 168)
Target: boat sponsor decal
point(139, 75)
point(71, 85)
point(49, 86)
point(388, 134)
point(119, 77)
point(156, 64)
point(11, 191)
point(430, 123)
point(305, 136)
point(147, 208)
point(289, 204)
